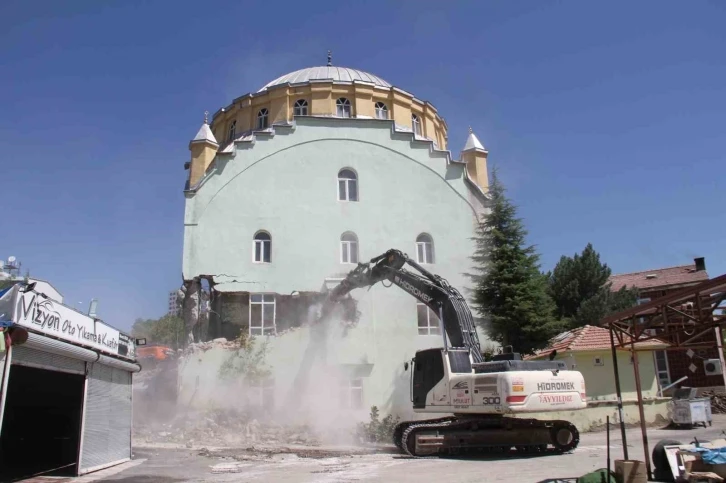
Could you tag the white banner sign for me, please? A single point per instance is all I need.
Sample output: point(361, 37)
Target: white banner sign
point(42, 314)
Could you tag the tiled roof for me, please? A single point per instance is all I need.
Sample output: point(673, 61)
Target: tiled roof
point(589, 338)
point(660, 277)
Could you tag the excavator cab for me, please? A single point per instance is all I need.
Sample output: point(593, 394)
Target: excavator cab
point(428, 371)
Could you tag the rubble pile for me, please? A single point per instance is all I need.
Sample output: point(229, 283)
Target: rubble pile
point(718, 402)
point(225, 427)
point(221, 343)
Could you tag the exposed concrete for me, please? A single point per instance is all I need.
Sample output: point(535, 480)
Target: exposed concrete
point(190, 305)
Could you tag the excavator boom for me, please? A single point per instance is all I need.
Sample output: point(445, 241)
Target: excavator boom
point(434, 291)
point(455, 379)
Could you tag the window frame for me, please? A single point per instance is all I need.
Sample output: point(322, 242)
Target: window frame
point(262, 303)
point(345, 248)
point(381, 107)
point(427, 330)
point(348, 387)
point(343, 102)
point(416, 125)
point(300, 104)
point(658, 371)
point(262, 242)
point(263, 115)
point(422, 244)
point(347, 186)
point(232, 131)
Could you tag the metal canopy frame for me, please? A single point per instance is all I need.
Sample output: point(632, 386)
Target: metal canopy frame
point(683, 319)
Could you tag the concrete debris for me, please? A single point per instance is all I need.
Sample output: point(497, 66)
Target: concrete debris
point(224, 427)
point(220, 343)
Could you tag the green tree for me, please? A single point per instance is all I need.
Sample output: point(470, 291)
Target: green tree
point(511, 292)
point(580, 287)
point(142, 328)
point(167, 330)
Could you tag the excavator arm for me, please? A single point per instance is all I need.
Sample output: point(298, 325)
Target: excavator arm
point(432, 290)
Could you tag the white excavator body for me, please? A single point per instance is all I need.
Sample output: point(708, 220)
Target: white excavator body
point(508, 392)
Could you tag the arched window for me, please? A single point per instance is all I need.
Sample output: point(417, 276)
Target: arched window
point(301, 107)
point(348, 248)
point(262, 118)
point(347, 185)
point(381, 111)
point(416, 125)
point(232, 129)
point(424, 248)
point(342, 107)
point(263, 247)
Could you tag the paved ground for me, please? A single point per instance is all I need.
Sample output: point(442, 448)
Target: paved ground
point(167, 465)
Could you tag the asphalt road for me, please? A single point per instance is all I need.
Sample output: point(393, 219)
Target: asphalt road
point(184, 465)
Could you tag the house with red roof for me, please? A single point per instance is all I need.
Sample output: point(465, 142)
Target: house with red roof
point(673, 365)
point(587, 350)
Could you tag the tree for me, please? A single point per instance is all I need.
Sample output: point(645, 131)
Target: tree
point(510, 292)
point(167, 330)
point(582, 293)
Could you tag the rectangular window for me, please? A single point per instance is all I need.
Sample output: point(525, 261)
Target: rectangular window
point(343, 110)
point(262, 314)
point(352, 190)
point(263, 251)
point(349, 251)
point(428, 322)
point(351, 393)
point(661, 368)
point(348, 190)
point(424, 252)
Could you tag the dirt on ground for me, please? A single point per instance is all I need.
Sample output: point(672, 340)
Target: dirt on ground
point(223, 427)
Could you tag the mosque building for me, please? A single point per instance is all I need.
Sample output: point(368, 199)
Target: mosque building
point(289, 188)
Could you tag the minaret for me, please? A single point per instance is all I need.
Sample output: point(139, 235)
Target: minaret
point(204, 147)
point(475, 157)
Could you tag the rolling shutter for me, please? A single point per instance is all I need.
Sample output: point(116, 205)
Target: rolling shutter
point(28, 356)
point(107, 418)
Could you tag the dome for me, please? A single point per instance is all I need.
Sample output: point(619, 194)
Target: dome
point(336, 74)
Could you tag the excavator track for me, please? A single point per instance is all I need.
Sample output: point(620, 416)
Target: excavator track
point(401, 427)
point(494, 435)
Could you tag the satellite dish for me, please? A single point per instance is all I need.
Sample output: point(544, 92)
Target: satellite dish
point(11, 260)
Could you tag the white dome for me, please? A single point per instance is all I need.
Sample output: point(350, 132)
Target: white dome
point(336, 74)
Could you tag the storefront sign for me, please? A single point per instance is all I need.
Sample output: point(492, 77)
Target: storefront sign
point(50, 317)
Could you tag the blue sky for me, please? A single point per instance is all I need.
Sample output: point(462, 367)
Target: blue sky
point(605, 119)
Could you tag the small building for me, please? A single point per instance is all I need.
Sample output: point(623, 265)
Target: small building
point(65, 404)
point(673, 365)
point(587, 350)
point(174, 303)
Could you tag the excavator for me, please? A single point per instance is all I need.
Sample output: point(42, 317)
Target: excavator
point(485, 398)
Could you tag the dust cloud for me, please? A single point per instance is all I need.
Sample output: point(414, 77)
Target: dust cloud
point(287, 389)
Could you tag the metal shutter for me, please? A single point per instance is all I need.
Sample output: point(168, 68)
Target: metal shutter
point(107, 419)
point(28, 356)
point(47, 344)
